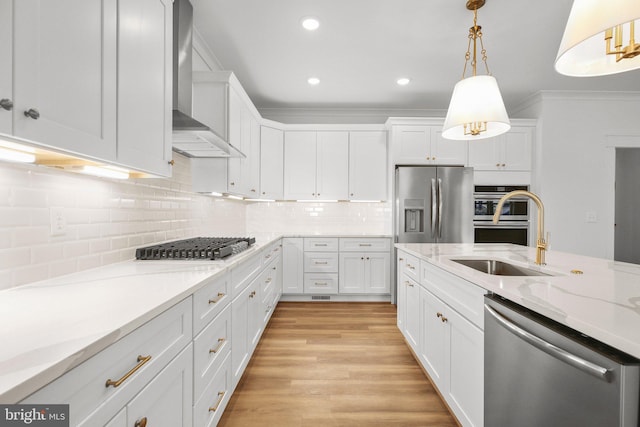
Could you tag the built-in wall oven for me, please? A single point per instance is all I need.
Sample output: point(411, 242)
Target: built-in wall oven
point(514, 216)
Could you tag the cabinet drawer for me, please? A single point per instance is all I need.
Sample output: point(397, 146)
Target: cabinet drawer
point(243, 274)
point(209, 408)
point(377, 244)
point(321, 283)
point(210, 300)
point(321, 262)
point(321, 244)
point(210, 348)
point(84, 387)
point(409, 265)
point(463, 296)
point(271, 252)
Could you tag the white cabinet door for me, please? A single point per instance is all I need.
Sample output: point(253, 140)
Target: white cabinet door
point(411, 144)
point(292, 265)
point(145, 85)
point(6, 66)
point(65, 69)
point(485, 154)
point(240, 335)
point(234, 135)
point(299, 165)
point(446, 151)
point(510, 151)
point(401, 290)
point(433, 344)
point(255, 319)
point(377, 275)
point(167, 400)
point(352, 273)
point(332, 165)
point(368, 165)
point(465, 368)
point(517, 149)
point(412, 321)
point(271, 163)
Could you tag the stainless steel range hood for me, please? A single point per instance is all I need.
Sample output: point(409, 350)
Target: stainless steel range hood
point(190, 137)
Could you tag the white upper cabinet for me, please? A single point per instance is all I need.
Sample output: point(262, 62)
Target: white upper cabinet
point(220, 102)
point(271, 163)
point(368, 165)
point(145, 85)
point(316, 165)
point(423, 145)
point(64, 74)
point(6, 67)
point(511, 151)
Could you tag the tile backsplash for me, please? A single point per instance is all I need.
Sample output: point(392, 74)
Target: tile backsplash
point(105, 220)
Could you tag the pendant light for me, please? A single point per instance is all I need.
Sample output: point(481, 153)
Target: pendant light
point(599, 38)
point(476, 110)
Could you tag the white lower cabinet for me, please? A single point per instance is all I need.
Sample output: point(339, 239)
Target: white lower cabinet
point(103, 385)
point(440, 318)
point(166, 401)
point(364, 272)
point(292, 265)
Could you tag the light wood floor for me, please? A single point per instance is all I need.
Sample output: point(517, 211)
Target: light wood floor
point(334, 364)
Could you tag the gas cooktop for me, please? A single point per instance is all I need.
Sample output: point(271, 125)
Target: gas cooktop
point(196, 248)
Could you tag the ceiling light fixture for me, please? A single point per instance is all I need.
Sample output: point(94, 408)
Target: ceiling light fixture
point(476, 110)
point(403, 81)
point(310, 24)
point(313, 81)
point(594, 39)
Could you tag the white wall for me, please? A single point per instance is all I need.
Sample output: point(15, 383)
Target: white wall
point(575, 164)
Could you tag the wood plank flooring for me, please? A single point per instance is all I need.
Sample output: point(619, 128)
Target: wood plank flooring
point(334, 364)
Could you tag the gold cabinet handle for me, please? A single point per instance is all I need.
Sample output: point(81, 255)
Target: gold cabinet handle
point(141, 361)
point(142, 422)
point(217, 299)
point(400, 259)
point(409, 283)
point(252, 294)
point(444, 319)
point(268, 280)
point(438, 314)
point(220, 344)
point(214, 408)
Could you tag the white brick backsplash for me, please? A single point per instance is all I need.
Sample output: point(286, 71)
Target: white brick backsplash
point(108, 219)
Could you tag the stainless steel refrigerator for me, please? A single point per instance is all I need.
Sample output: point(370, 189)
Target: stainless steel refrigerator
point(434, 204)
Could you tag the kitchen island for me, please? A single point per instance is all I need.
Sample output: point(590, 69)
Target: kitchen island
point(441, 289)
point(600, 299)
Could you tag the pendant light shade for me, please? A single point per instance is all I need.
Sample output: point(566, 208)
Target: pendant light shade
point(476, 110)
point(476, 101)
point(599, 38)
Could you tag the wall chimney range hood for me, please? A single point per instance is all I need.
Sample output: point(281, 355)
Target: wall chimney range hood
point(190, 137)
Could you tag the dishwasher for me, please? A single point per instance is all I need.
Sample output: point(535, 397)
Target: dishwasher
point(538, 372)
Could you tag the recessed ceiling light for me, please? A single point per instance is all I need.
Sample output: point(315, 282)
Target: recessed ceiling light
point(310, 24)
point(313, 81)
point(403, 81)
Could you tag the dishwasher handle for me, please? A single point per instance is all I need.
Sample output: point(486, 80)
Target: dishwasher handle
point(552, 350)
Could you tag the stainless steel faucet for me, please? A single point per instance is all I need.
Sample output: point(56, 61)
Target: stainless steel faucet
point(541, 243)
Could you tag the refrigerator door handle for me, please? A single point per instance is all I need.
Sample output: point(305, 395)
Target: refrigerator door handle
point(434, 206)
point(439, 208)
point(552, 350)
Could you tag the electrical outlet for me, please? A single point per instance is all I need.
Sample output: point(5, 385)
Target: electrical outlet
point(591, 216)
point(58, 222)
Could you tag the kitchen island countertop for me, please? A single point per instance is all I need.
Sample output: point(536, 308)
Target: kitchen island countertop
point(602, 302)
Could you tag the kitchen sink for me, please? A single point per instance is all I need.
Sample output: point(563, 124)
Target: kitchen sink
point(498, 268)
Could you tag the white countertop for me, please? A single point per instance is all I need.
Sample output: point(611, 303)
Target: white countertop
point(603, 302)
point(52, 326)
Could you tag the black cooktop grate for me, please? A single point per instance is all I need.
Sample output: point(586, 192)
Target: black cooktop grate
point(196, 248)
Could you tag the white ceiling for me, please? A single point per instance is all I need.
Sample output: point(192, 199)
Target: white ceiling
point(363, 46)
